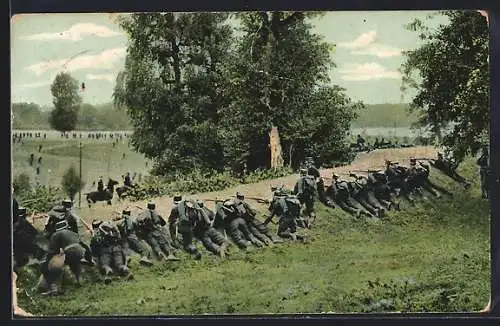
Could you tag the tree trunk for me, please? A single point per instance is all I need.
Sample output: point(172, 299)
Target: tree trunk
point(275, 146)
point(290, 152)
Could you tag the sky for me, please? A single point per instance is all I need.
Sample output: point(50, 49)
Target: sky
point(92, 48)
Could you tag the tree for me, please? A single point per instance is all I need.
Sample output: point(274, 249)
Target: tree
point(71, 182)
point(451, 75)
point(277, 71)
point(172, 86)
point(66, 101)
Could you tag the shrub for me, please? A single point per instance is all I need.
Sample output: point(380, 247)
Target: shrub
point(71, 182)
point(21, 184)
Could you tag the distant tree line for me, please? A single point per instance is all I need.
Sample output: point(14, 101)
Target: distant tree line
point(89, 117)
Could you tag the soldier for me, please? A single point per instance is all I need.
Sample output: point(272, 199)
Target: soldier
point(106, 245)
point(226, 218)
point(338, 192)
point(381, 191)
point(62, 217)
point(127, 227)
point(256, 227)
point(424, 172)
point(360, 141)
point(32, 159)
point(184, 217)
point(484, 162)
point(305, 190)
point(287, 208)
point(212, 239)
point(314, 172)
point(128, 181)
point(149, 228)
point(100, 185)
point(64, 249)
point(449, 168)
point(360, 191)
point(23, 240)
point(396, 180)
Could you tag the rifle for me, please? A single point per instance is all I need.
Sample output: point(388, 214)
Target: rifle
point(424, 159)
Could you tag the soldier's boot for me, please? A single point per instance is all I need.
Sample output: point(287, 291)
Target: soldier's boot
point(256, 241)
point(145, 261)
point(107, 275)
point(223, 249)
point(53, 290)
point(125, 271)
point(359, 211)
point(161, 256)
point(293, 236)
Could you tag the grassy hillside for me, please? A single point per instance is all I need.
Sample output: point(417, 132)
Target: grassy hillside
point(431, 257)
point(384, 115)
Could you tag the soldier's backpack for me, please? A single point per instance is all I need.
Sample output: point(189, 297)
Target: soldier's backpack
point(293, 206)
point(58, 216)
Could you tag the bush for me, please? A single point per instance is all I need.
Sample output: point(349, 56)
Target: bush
point(71, 182)
point(41, 198)
point(21, 184)
point(196, 182)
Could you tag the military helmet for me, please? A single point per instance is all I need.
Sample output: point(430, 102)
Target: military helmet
point(126, 212)
point(151, 206)
point(21, 211)
point(96, 224)
point(177, 199)
point(413, 161)
point(239, 195)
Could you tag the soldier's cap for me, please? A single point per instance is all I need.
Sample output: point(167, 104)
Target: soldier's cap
point(303, 171)
point(151, 206)
point(387, 162)
point(273, 188)
point(21, 210)
point(126, 212)
point(67, 202)
point(239, 195)
point(334, 175)
point(96, 223)
point(189, 204)
point(177, 199)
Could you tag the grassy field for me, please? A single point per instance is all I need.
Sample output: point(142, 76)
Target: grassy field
point(431, 257)
point(99, 158)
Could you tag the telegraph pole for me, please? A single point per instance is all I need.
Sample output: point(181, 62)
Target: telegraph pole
point(80, 191)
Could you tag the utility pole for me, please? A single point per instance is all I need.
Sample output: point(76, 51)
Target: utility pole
point(80, 191)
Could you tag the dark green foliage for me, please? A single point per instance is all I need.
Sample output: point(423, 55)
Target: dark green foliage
point(67, 100)
point(71, 182)
point(21, 184)
point(40, 198)
point(451, 74)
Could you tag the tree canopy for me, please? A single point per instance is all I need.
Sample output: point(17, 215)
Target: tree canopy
point(201, 97)
point(450, 72)
point(67, 100)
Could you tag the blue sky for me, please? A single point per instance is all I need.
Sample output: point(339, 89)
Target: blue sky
point(92, 48)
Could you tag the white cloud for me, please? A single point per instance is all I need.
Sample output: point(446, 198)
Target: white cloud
point(365, 45)
point(378, 50)
point(74, 33)
point(35, 84)
point(103, 60)
point(362, 41)
point(367, 71)
point(109, 77)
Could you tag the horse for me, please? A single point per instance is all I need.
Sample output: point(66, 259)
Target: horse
point(106, 195)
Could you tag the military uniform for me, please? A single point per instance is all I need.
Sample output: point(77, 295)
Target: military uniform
point(185, 216)
point(107, 246)
point(397, 180)
point(68, 242)
point(23, 240)
point(100, 185)
point(320, 184)
point(127, 181)
point(305, 190)
point(150, 228)
point(287, 208)
point(212, 239)
point(449, 168)
point(381, 191)
point(256, 227)
point(338, 192)
point(127, 228)
point(226, 217)
point(361, 193)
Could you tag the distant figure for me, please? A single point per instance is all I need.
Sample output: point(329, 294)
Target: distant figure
point(127, 181)
point(38, 166)
point(40, 160)
point(100, 185)
point(360, 141)
point(45, 136)
point(32, 159)
point(123, 156)
point(484, 163)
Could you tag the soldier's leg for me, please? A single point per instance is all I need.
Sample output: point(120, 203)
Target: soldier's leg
point(119, 261)
point(244, 228)
point(483, 179)
point(187, 241)
point(256, 232)
point(284, 228)
point(51, 270)
point(234, 232)
point(320, 186)
point(365, 205)
point(428, 183)
point(88, 253)
point(137, 246)
point(73, 260)
point(153, 243)
point(105, 262)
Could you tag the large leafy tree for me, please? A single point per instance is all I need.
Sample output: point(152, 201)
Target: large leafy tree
point(275, 72)
point(172, 86)
point(67, 100)
point(450, 73)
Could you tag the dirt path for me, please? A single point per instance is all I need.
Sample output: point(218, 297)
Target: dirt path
point(372, 160)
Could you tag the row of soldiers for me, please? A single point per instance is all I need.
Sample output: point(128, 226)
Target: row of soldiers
point(113, 241)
